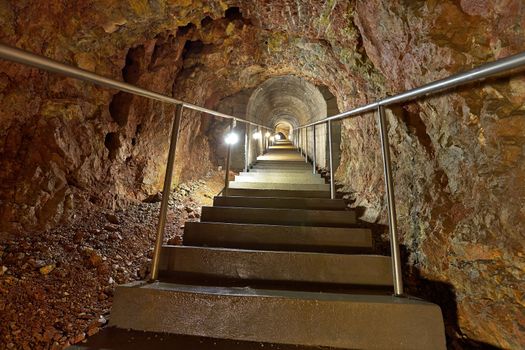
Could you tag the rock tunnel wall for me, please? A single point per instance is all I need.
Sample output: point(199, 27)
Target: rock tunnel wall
point(458, 158)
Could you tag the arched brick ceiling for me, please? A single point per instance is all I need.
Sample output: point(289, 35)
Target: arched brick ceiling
point(286, 99)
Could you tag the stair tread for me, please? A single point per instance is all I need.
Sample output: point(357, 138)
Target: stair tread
point(277, 316)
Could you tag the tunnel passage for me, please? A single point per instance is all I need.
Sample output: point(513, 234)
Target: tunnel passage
point(282, 103)
point(286, 102)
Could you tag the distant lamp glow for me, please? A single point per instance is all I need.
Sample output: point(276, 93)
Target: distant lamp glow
point(267, 134)
point(231, 138)
point(278, 137)
point(257, 135)
point(272, 138)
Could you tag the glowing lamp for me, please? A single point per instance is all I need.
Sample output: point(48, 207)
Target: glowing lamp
point(257, 135)
point(231, 138)
point(267, 134)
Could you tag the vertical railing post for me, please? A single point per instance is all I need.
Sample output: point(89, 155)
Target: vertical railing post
point(314, 154)
point(246, 146)
point(228, 158)
point(299, 141)
point(306, 145)
point(166, 193)
point(392, 221)
point(298, 132)
point(331, 159)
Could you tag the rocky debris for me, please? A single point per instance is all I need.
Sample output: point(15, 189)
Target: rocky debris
point(45, 270)
point(112, 218)
point(458, 159)
point(56, 286)
point(154, 198)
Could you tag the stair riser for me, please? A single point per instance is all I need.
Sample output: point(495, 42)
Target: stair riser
point(293, 217)
point(279, 173)
point(275, 193)
point(275, 171)
point(289, 238)
point(280, 180)
point(278, 186)
point(283, 203)
point(275, 266)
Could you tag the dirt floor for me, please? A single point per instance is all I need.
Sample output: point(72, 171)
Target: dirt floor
point(56, 286)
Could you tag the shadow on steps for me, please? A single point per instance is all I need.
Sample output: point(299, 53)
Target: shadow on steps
point(111, 338)
point(444, 295)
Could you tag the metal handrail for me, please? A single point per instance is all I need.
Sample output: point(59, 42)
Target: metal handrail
point(30, 59)
point(477, 74)
point(503, 65)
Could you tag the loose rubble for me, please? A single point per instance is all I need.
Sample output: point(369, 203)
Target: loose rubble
point(56, 286)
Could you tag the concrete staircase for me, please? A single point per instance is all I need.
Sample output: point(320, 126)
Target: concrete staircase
point(275, 260)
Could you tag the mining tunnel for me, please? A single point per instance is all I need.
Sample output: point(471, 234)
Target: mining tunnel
point(246, 174)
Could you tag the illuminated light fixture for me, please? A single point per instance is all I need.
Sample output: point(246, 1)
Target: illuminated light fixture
point(231, 138)
point(267, 134)
point(257, 135)
point(272, 138)
point(278, 137)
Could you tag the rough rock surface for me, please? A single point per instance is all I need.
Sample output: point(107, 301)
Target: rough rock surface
point(56, 286)
point(459, 158)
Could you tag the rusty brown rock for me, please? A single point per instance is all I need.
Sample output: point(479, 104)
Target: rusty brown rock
point(459, 159)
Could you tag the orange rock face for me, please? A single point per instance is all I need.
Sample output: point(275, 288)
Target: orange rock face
point(458, 158)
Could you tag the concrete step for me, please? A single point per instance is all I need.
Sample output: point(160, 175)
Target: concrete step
point(276, 316)
point(272, 172)
point(272, 237)
point(270, 216)
point(275, 266)
point(279, 202)
point(281, 156)
point(298, 162)
point(280, 186)
point(282, 171)
point(309, 179)
point(275, 193)
point(282, 167)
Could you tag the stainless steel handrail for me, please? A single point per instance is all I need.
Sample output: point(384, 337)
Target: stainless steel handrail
point(482, 72)
point(30, 59)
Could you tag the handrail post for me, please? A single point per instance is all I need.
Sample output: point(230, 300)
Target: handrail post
point(298, 131)
point(314, 156)
point(228, 159)
point(306, 145)
point(394, 244)
point(299, 141)
point(331, 159)
point(246, 146)
point(166, 193)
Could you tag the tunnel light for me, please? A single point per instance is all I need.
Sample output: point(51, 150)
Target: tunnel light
point(277, 137)
point(231, 138)
point(267, 134)
point(272, 138)
point(257, 135)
